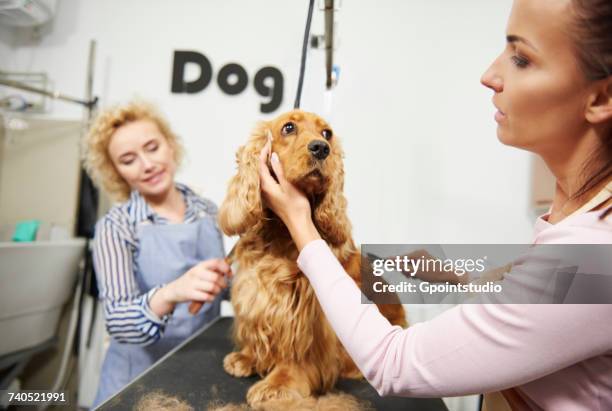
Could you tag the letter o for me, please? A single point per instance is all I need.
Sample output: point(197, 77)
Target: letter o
point(241, 82)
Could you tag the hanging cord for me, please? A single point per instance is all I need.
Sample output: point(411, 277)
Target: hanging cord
point(298, 95)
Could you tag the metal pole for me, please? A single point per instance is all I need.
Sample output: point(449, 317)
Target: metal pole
point(329, 41)
point(52, 94)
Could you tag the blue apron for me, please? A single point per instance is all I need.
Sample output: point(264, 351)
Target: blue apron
point(166, 252)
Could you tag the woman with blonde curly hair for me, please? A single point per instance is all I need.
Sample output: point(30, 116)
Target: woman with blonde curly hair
point(157, 250)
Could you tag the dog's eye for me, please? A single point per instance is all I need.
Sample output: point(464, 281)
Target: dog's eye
point(288, 128)
point(327, 134)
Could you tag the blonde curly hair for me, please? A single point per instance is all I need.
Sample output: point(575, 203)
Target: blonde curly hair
point(96, 158)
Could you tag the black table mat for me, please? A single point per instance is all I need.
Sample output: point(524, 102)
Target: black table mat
point(193, 373)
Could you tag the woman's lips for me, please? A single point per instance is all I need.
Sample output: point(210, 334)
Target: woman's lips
point(499, 116)
point(155, 178)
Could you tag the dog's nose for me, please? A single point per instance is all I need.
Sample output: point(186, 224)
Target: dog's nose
point(319, 149)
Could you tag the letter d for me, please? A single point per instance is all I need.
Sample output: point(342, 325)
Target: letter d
point(181, 58)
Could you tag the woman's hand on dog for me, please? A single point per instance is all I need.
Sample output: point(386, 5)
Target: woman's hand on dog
point(201, 283)
point(287, 202)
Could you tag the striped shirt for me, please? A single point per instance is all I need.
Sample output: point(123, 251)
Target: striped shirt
point(129, 318)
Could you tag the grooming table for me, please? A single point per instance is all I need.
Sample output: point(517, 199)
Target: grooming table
point(193, 372)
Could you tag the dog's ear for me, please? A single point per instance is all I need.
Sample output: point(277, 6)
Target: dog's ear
point(242, 207)
point(330, 214)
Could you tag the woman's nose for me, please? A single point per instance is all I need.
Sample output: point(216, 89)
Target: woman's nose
point(147, 163)
point(492, 79)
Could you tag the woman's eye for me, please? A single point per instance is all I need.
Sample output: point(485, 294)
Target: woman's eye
point(327, 134)
point(153, 147)
point(519, 61)
point(288, 128)
point(127, 161)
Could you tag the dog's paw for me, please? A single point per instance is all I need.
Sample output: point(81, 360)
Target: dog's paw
point(238, 365)
point(263, 392)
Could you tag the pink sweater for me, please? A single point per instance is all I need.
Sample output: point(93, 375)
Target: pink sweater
point(557, 357)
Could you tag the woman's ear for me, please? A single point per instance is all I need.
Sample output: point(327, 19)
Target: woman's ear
point(242, 207)
point(599, 107)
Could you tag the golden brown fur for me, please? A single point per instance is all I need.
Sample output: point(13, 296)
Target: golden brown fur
point(280, 328)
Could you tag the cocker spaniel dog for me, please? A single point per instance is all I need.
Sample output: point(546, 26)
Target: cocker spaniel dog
point(280, 329)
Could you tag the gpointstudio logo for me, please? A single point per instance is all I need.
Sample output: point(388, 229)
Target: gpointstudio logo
point(425, 287)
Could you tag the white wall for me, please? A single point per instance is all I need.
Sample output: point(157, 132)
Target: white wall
point(422, 159)
point(6, 38)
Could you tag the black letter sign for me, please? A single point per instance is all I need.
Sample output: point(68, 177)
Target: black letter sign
point(241, 82)
point(181, 58)
point(275, 91)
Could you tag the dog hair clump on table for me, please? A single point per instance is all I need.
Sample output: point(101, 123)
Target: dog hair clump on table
point(159, 401)
point(328, 402)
